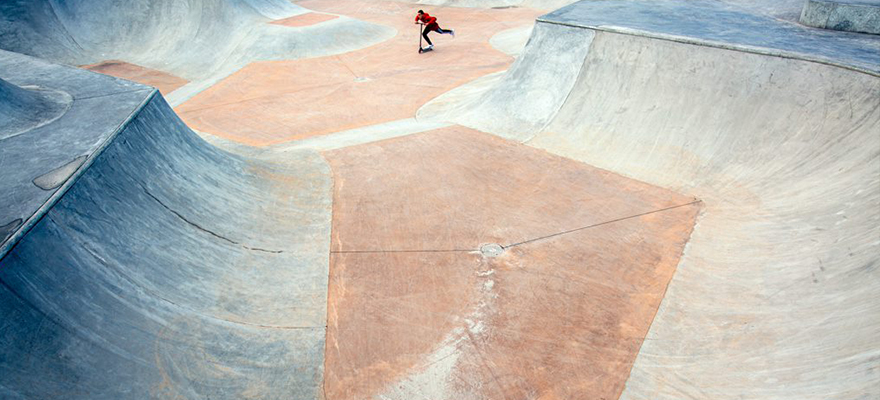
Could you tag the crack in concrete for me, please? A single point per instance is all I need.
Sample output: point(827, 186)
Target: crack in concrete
point(696, 201)
point(199, 227)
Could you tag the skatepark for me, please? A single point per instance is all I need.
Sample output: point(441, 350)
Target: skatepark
point(601, 199)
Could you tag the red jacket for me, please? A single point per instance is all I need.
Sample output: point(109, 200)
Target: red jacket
point(425, 18)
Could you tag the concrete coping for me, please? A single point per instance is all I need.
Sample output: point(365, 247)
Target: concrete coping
point(725, 26)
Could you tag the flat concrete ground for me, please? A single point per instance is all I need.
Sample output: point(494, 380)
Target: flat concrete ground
point(414, 308)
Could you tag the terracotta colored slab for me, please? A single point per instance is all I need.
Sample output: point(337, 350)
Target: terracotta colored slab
point(414, 312)
point(166, 83)
point(274, 102)
point(306, 19)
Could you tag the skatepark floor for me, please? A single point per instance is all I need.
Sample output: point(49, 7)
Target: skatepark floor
point(642, 200)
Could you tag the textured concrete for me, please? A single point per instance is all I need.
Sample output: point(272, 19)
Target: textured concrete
point(24, 109)
point(200, 41)
point(416, 311)
point(148, 264)
point(775, 295)
point(44, 136)
point(846, 15)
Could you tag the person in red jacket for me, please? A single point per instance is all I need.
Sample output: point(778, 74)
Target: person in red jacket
point(431, 26)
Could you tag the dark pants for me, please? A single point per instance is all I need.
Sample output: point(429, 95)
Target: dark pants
point(433, 28)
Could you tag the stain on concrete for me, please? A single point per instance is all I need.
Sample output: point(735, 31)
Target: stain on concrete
point(56, 177)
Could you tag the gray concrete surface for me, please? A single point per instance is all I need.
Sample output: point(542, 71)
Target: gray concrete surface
point(55, 134)
point(201, 41)
point(544, 84)
point(788, 10)
point(776, 294)
point(844, 15)
point(28, 108)
point(547, 73)
point(161, 267)
point(511, 41)
point(723, 25)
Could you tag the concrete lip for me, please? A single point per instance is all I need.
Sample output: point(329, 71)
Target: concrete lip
point(722, 25)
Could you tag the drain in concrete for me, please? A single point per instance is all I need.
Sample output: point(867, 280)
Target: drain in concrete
point(491, 250)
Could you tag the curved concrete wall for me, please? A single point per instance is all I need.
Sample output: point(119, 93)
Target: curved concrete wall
point(775, 296)
point(535, 86)
point(132, 285)
point(201, 41)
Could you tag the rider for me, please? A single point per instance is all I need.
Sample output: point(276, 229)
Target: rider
point(431, 25)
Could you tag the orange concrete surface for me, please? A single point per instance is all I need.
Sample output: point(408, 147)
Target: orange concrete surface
point(307, 19)
point(273, 102)
point(559, 318)
point(166, 83)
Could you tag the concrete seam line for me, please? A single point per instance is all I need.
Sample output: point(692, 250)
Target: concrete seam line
point(401, 251)
point(98, 96)
point(696, 201)
point(601, 223)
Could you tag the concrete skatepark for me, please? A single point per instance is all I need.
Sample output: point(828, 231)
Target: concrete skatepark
point(569, 200)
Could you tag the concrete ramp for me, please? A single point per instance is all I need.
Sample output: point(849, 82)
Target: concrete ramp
point(775, 296)
point(24, 109)
point(535, 87)
point(144, 263)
